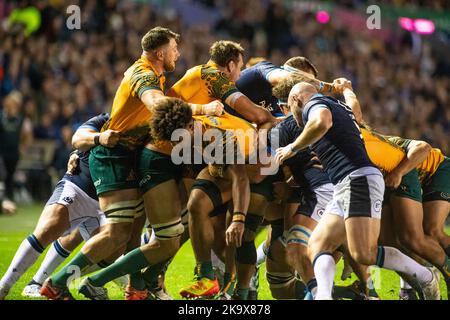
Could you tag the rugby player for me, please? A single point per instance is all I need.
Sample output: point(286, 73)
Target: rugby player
point(355, 210)
point(201, 84)
point(113, 170)
point(73, 204)
point(169, 114)
point(407, 213)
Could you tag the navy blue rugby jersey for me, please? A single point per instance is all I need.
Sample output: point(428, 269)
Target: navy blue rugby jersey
point(341, 150)
point(255, 85)
point(82, 176)
point(301, 165)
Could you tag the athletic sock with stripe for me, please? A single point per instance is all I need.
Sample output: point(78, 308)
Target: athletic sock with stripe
point(29, 251)
point(56, 254)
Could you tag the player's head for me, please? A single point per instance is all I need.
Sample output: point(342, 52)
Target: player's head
point(254, 60)
point(230, 56)
point(162, 44)
point(284, 87)
point(299, 95)
point(170, 114)
point(302, 64)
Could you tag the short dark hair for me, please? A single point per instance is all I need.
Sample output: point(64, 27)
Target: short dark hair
point(302, 64)
point(168, 115)
point(158, 37)
point(224, 51)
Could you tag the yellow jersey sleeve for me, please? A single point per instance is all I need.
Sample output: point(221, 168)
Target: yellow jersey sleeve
point(399, 141)
point(203, 84)
point(217, 84)
point(143, 79)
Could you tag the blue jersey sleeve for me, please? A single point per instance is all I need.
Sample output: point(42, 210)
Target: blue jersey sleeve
point(266, 67)
point(96, 123)
point(308, 109)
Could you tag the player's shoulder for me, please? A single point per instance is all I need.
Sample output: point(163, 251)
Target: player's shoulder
point(95, 123)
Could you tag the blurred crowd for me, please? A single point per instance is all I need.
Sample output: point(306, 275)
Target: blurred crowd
point(66, 76)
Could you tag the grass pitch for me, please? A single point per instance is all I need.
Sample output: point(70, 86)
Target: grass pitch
point(13, 229)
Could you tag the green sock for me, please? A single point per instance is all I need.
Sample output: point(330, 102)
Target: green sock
point(206, 270)
point(80, 262)
point(133, 262)
point(242, 293)
point(137, 281)
point(228, 283)
point(151, 274)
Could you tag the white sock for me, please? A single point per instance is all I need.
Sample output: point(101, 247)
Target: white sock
point(404, 284)
point(324, 270)
point(261, 253)
point(395, 260)
point(27, 254)
point(56, 254)
point(216, 262)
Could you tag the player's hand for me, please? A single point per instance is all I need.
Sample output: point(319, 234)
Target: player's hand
point(234, 233)
point(393, 180)
point(109, 138)
point(340, 84)
point(283, 154)
point(214, 108)
point(72, 164)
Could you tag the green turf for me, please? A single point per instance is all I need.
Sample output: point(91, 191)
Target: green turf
point(13, 229)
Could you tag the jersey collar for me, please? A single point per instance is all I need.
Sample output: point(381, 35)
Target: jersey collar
point(147, 61)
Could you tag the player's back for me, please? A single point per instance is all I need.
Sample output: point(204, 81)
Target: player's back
point(341, 150)
point(254, 83)
point(203, 84)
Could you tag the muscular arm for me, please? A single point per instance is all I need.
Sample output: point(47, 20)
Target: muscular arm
point(250, 111)
point(317, 126)
point(84, 138)
point(417, 152)
point(278, 75)
point(320, 121)
point(150, 97)
point(240, 187)
point(352, 101)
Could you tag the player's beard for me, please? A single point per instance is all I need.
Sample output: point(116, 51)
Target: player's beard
point(169, 66)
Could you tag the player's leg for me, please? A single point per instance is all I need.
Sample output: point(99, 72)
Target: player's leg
point(364, 195)
point(435, 214)
point(283, 283)
point(246, 253)
point(56, 254)
point(207, 196)
point(158, 181)
point(52, 223)
point(328, 235)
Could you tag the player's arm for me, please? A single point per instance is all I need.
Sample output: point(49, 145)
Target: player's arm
point(344, 87)
point(319, 122)
point(276, 76)
point(214, 108)
point(241, 199)
point(250, 111)
point(416, 152)
point(88, 134)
